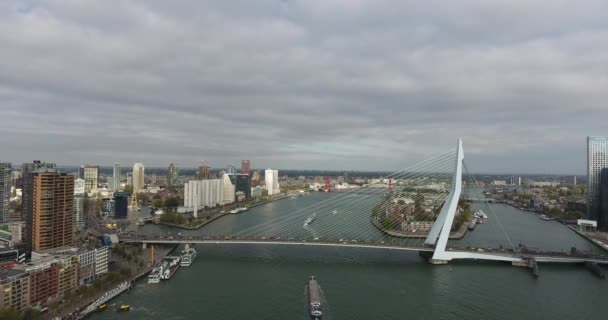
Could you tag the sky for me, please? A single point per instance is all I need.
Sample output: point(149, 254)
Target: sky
point(310, 84)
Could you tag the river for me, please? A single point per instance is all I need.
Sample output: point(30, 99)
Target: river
point(267, 281)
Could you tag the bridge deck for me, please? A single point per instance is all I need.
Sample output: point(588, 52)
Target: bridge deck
point(458, 252)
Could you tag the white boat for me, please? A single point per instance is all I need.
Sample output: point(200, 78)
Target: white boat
point(310, 219)
point(188, 256)
point(154, 276)
point(159, 212)
point(169, 266)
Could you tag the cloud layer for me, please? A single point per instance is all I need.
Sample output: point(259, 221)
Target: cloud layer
point(326, 84)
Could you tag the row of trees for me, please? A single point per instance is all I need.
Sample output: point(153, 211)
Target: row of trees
point(9, 313)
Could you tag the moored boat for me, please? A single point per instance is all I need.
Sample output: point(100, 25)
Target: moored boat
point(188, 256)
point(124, 307)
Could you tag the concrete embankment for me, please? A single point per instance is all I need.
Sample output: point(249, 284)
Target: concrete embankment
point(219, 215)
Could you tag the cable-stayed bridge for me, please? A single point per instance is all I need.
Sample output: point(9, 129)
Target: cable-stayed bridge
point(421, 208)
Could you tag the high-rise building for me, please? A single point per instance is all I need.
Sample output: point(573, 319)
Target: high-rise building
point(203, 193)
point(53, 210)
point(79, 199)
point(172, 175)
point(5, 191)
point(91, 178)
point(121, 205)
point(245, 167)
point(138, 177)
point(597, 159)
point(241, 183)
point(116, 177)
point(27, 199)
point(272, 181)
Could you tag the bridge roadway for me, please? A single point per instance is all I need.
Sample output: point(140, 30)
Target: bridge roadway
point(502, 254)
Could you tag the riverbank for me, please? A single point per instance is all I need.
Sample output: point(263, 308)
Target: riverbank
point(600, 242)
point(75, 311)
point(458, 234)
point(216, 216)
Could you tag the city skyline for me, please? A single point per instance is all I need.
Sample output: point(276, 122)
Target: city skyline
point(318, 90)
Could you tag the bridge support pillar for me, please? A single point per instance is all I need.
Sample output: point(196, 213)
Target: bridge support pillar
point(144, 245)
point(428, 255)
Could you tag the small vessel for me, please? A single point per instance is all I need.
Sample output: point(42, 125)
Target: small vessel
point(314, 299)
point(124, 307)
point(545, 217)
point(188, 256)
point(310, 219)
point(169, 266)
point(102, 307)
point(154, 276)
point(483, 214)
point(239, 210)
point(159, 212)
point(472, 224)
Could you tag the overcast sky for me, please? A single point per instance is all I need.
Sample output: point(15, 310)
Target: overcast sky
point(327, 84)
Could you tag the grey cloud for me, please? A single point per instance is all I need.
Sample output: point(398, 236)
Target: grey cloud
point(303, 84)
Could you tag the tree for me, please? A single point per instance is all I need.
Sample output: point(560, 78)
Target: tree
point(129, 189)
point(31, 314)
point(418, 201)
point(171, 202)
point(9, 313)
point(157, 203)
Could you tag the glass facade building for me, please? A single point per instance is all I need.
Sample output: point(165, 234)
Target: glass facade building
point(597, 159)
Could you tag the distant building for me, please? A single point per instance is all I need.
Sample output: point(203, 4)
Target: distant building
point(272, 181)
point(172, 175)
point(91, 178)
point(79, 199)
point(597, 159)
point(229, 189)
point(121, 205)
point(245, 167)
point(138, 177)
point(27, 200)
point(241, 183)
point(5, 191)
point(256, 192)
point(116, 177)
point(499, 183)
point(203, 193)
point(602, 217)
point(255, 179)
point(203, 171)
point(53, 210)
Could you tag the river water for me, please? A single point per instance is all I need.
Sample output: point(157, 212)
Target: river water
point(267, 281)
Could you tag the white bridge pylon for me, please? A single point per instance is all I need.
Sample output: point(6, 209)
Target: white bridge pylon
point(440, 232)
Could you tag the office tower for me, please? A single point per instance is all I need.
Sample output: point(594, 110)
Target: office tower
point(241, 183)
point(574, 180)
point(27, 200)
point(172, 175)
point(5, 191)
point(116, 177)
point(79, 199)
point(597, 159)
point(91, 178)
point(272, 181)
point(121, 205)
point(138, 177)
point(53, 210)
point(229, 189)
point(245, 167)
